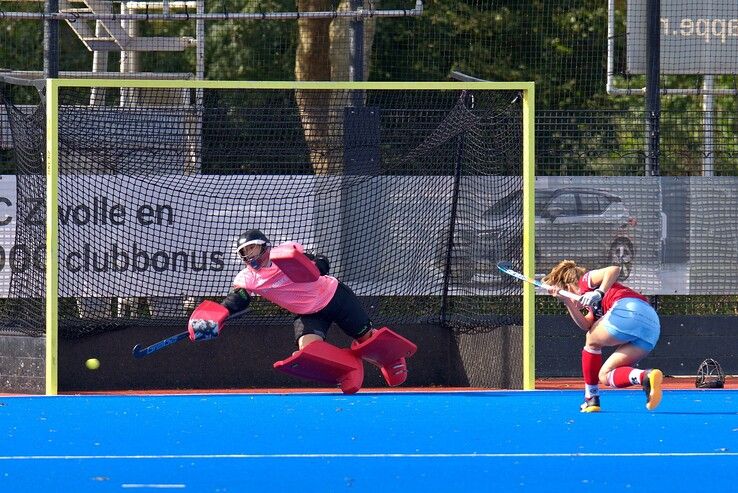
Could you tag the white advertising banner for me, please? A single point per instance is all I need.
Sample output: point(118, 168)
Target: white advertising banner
point(173, 235)
point(144, 237)
point(8, 213)
point(126, 236)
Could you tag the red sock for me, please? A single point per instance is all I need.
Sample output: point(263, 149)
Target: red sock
point(591, 364)
point(625, 376)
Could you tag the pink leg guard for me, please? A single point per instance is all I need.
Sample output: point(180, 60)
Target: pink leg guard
point(326, 363)
point(387, 350)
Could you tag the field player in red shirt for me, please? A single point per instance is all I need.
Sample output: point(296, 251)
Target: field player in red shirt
point(615, 316)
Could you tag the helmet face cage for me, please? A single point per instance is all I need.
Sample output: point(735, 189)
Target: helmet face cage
point(710, 375)
point(258, 260)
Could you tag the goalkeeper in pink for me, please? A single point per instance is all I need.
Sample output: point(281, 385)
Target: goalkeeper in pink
point(317, 300)
point(612, 315)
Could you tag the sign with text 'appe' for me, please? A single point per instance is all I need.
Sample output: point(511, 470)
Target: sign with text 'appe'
point(696, 37)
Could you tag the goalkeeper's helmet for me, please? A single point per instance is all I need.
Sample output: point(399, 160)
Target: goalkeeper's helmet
point(254, 237)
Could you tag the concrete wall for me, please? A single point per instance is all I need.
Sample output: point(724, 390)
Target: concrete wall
point(240, 358)
point(685, 342)
point(22, 364)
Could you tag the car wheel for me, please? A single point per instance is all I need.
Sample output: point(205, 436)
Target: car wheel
point(622, 253)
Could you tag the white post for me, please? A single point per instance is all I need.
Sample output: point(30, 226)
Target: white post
point(99, 64)
point(708, 99)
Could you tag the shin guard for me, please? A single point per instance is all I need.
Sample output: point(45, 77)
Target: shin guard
point(326, 363)
point(387, 350)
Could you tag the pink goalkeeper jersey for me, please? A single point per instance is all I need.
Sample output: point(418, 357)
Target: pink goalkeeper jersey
point(300, 298)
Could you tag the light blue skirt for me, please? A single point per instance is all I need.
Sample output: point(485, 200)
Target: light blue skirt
point(633, 320)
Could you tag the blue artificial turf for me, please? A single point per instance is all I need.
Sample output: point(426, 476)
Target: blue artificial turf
point(404, 441)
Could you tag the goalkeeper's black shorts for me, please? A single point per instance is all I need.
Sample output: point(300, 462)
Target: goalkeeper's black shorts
point(344, 309)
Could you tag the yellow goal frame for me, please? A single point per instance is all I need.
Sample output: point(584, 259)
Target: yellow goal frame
point(527, 90)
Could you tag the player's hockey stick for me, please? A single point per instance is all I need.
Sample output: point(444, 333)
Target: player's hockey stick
point(506, 267)
point(140, 352)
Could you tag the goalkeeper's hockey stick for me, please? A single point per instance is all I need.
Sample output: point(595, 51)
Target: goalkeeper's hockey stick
point(506, 267)
point(140, 352)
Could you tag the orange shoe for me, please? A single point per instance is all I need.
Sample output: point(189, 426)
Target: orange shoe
point(652, 387)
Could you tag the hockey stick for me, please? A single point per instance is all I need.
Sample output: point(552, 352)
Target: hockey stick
point(140, 352)
point(506, 268)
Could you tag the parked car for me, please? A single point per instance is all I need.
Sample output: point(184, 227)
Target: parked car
point(588, 225)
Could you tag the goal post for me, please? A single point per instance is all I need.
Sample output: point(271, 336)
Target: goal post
point(52, 237)
point(422, 163)
point(529, 223)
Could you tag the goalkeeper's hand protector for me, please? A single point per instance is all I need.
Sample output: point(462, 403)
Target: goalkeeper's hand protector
point(207, 321)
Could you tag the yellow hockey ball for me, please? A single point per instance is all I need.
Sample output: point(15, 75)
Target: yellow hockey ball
point(92, 364)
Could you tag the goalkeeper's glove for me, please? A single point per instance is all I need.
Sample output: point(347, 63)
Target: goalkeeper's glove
point(592, 298)
point(321, 262)
point(202, 330)
point(207, 320)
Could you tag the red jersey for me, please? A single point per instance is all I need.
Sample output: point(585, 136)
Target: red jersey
point(616, 292)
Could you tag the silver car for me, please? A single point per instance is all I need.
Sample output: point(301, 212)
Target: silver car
point(588, 225)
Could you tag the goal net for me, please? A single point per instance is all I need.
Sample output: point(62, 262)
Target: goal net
point(412, 191)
